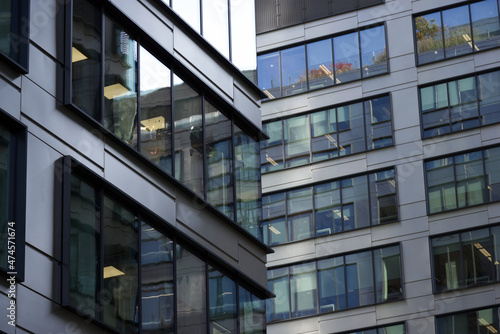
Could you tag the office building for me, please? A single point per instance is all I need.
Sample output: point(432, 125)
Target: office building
point(129, 168)
point(381, 174)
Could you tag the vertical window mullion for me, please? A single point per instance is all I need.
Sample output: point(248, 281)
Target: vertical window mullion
point(345, 278)
point(462, 273)
point(204, 180)
point(471, 30)
point(442, 36)
point(307, 67)
point(449, 110)
point(370, 186)
point(374, 279)
point(139, 271)
point(333, 63)
point(207, 297)
point(485, 176)
point(229, 31)
point(172, 126)
point(341, 200)
point(138, 116)
point(100, 266)
point(360, 56)
point(174, 276)
point(103, 65)
point(455, 182)
point(281, 83)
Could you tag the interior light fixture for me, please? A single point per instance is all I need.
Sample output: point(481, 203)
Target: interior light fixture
point(111, 271)
point(487, 325)
point(271, 160)
point(154, 123)
point(331, 139)
point(269, 95)
point(274, 230)
point(467, 38)
point(76, 55)
point(115, 90)
point(158, 296)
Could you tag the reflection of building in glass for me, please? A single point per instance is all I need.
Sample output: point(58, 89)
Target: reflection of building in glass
point(381, 170)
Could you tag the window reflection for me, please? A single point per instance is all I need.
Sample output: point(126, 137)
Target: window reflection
point(243, 45)
point(216, 24)
point(252, 313)
point(346, 62)
point(320, 70)
point(190, 11)
point(457, 32)
point(373, 51)
point(293, 70)
point(429, 38)
point(485, 24)
point(478, 321)
point(222, 301)
point(489, 97)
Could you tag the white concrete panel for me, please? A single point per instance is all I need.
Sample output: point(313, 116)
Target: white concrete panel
point(489, 134)
point(406, 135)
point(407, 307)
point(10, 98)
point(462, 219)
point(391, 10)
point(447, 145)
point(338, 168)
point(394, 232)
point(286, 179)
point(405, 111)
point(331, 25)
point(409, 153)
point(494, 212)
point(43, 274)
point(143, 190)
point(411, 185)
point(279, 38)
point(447, 69)
point(42, 108)
point(348, 320)
point(343, 243)
point(294, 252)
point(335, 95)
point(285, 107)
point(486, 60)
point(302, 326)
point(43, 71)
point(418, 289)
point(402, 62)
point(423, 5)
point(394, 80)
point(395, 29)
point(44, 28)
point(465, 299)
point(147, 21)
point(415, 260)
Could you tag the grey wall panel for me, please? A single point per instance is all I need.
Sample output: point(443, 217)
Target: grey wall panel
point(265, 15)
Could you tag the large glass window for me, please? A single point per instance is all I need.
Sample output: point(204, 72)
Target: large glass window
point(14, 32)
point(168, 120)
point(466, 259)
point(461, 181)
point(13, 157)
point(331, 207)
point(364, 49)
point(335, 284)
point(387, 329)
point(327, 134)
point(457, 31)
point(477, 321)
point(461, 104)
point(124, 268)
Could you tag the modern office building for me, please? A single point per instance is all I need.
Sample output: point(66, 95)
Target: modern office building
point(381, 174)
point(129, 168)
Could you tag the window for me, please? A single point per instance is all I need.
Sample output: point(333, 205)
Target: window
point(335, 284)
point(476, 321)
point(466, 259)
point(327, 134)
point(461, 104)
point(13, 155)
point(328, 208)
point(14, 33)
point(172, 122)
point(330, 61)
point(134, 273)
point(456, 31)
point(387, 329)
point(463, 180)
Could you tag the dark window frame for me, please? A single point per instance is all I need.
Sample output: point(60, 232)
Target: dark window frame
point(65, 168)
point(440, 10)
point(20, 36)
point(404, 324)
point(343, 255)
point(327, 37)
point(286, 216)
point(447, 81)
point(17, 187)
point(465, 312)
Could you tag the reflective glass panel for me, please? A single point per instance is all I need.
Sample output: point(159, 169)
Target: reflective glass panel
point(485, 24)
point(489, 97)
point(447, 263)
point(351, 129)
point(156, 112)
point(303, 287)
point(477, 257)
point(457, 32)
point(247, 182)
point(120, 95)
point(268, 74)
point(297, 140)
point(429, 37)
point(383, 197)
point(83, 252)
point(469, 173)
point(222, 303)
point(219, 160)
point(373, 51)
point(441, 186)
point(216, 24)
point(331, 285)
point(188, 131)
point(277, 282)
point(5, 25)
point(189, 10)
point(492, 167)
point(243, 42)
point(347, 61)
point(378, 123)
point(86, 58)
point(272, 149)
point(388, 283)
point(157, 281)
point(293, 70)
point(359, 279)
point(191, 293)
point(252, 313)
point(355, 208)
point(121, 274)
point(463, 103)
point(324, 139)
point(327, 208)
point(320, 64)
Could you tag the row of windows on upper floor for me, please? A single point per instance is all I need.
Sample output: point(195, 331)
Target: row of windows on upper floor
point(360, 54)
point(172, 122)
point(229, 25)
point(452, 182)
point(14, 33)
point(459, 260)
point(445, 107)
point(124, 270)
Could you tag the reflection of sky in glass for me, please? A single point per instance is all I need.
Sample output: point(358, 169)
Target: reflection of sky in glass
point(372, 44)
point(269, 73)
point(293, 65)
point(319, 53)
point(243, 40)
point(154, 74)
point(346, 49)
point(216, 24)
point(455, 17)
point(189, 10)
point(484, 9)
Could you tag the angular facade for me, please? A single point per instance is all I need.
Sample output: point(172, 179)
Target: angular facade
point(129, 168)
point(381, 171)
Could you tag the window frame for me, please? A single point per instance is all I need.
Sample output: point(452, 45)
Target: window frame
point(67, 167)
point(22, 21)
point(16, 206)
point(362, 330)
point(439, 11)
point(464, 312)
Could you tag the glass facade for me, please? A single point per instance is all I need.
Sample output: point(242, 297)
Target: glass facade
point(162, 116)
point(124, 272)
point(327, 134)
point(456, 31)
point(461, 104)
point(329, 208)
point(387, 329)
point(476, 321)
point(463, 180)
point(14, 32)
point(335, 284)
point(330, 61)
point(466, 259)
